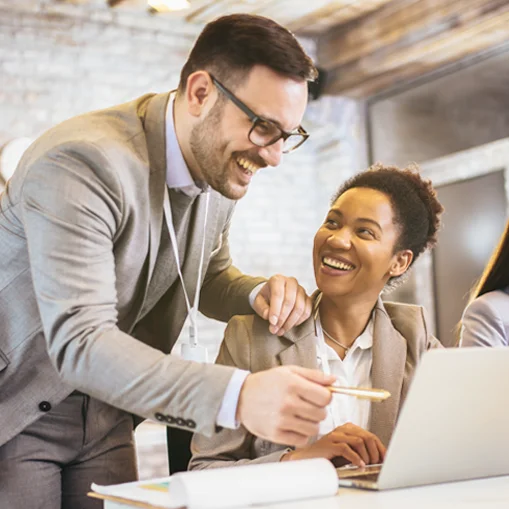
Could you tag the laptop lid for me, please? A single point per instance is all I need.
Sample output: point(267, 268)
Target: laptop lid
point(454, 424)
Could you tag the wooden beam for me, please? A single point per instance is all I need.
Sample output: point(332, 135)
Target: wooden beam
point(407, 39)
point(114, 3)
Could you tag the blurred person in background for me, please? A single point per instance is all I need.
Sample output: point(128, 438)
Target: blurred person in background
point(485, 321)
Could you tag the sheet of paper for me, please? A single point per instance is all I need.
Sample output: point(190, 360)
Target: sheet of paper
point(227, 488)
point(224, 488)
point(154, 492)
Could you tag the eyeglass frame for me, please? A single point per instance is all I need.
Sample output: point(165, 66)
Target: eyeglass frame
point(255, 118)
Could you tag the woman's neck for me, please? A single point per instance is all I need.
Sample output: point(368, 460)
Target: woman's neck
point(343, 319)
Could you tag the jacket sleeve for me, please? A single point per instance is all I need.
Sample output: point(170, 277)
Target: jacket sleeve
point(231, 447)
point(225, 290)
point(72, 208)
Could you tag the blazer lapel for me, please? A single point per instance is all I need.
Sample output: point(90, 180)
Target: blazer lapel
point(153, 116)
point(388, 371)
point(302, 349)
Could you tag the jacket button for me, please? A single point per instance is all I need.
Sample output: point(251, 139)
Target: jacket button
point(190, 424)
point(44, 406)
point(160, 417)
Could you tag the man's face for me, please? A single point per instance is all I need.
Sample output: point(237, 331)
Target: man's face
point(226, 157)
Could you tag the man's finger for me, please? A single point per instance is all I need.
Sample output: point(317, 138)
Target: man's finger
point(300, 305)
point(293, 319)
point(261, 305)
point(291, 287)
point(311, 388)
point(300, 426)
point(308, 307)
point(313, 375)
point(276, 292)
point(306, 410)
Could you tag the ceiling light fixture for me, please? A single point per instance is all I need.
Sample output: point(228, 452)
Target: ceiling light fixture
point(168, 5)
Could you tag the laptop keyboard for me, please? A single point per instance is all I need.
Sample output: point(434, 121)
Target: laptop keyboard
point(369, 473)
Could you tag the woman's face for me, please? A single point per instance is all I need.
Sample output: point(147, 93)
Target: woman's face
point(354, 248)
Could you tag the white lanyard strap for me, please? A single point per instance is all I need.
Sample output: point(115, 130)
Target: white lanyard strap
point(192, 311)
point(324, 360)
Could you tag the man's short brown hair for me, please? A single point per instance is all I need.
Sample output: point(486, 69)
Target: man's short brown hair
point(230, 46)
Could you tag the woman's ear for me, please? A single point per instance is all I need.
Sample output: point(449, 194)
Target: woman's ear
point(400, 263)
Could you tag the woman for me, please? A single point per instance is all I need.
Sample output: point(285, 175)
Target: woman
point(380, 221)
point(485, 321)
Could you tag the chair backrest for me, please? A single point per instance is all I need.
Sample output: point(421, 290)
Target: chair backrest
point(178, 442)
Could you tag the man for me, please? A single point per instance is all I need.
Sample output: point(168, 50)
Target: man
point(99, 217)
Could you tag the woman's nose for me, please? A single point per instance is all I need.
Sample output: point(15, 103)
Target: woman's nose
point(340, 239)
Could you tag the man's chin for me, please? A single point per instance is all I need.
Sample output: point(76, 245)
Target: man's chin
point(231, 191)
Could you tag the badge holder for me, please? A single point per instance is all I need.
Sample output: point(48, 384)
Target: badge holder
point(197, 353)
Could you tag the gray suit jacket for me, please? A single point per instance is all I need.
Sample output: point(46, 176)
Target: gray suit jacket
point(400, 337)
point(80, 227)
point(485, 321)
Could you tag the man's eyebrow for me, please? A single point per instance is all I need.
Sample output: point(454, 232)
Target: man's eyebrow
point(276, 122)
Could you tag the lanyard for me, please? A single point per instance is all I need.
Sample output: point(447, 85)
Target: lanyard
point(321, 350)
point(192, 311)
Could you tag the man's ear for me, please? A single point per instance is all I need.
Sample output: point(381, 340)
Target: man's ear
point(200, 93)
point(401, 262)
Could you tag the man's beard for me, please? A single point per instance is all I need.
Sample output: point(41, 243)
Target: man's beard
point(207, 147)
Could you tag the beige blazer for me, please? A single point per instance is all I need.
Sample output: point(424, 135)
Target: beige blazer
point(400, 337)
point(80, 228)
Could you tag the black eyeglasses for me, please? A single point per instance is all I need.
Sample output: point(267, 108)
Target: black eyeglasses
point(264, 132)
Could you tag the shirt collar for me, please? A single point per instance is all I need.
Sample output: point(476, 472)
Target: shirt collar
point(178, 175)
point(364, 341)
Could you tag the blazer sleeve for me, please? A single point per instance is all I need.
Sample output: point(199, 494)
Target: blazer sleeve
point(72, 208)
point(230, 447)
point(225, 290)
point(482, 325)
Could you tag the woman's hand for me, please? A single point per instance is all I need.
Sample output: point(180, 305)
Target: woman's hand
point(355, 444)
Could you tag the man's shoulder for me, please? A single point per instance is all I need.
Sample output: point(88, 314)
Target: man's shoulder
point(101, 128)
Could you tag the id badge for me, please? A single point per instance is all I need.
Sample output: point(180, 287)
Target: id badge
point(197, 353)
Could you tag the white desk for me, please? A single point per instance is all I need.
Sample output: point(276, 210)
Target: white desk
point(483, 494)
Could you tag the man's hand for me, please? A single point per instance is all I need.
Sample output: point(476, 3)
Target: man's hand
point(284, 405)
point(349, 441)
point(283, 302)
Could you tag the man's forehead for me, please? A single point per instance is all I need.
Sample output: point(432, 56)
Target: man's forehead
point(275, 97)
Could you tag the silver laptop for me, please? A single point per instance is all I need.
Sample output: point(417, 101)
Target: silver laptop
point(454, 424)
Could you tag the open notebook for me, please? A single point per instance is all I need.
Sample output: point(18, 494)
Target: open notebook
point(230, 487)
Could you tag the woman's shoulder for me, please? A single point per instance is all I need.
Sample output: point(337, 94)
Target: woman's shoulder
point(410, 314)
point(495, 303)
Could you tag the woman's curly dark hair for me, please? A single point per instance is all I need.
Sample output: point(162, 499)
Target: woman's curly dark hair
point(414, 201)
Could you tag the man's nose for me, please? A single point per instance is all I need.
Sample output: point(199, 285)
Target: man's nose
point(273, 153)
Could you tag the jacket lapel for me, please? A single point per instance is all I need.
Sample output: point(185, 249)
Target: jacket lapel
point(302, 348)
point(388, 371)
point(152, 113)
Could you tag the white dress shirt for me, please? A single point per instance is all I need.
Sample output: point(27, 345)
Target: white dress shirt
point(353, 371)
point(179, 177)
